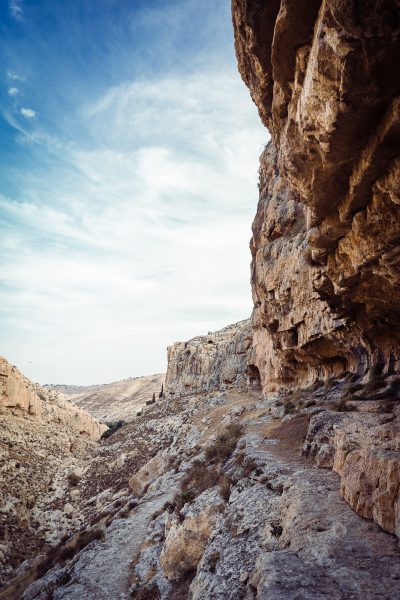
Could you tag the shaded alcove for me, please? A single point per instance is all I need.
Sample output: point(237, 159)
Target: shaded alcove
point(253, 377)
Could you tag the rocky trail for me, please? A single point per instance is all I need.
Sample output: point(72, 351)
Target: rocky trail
point(282, 531)
point(102, 570)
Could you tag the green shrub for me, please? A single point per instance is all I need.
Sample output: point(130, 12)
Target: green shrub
point(113, 426)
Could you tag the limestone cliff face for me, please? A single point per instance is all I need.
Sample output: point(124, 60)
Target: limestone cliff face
point(209, 362)
point(326, 242)
point(42, 438)
point(20, 395)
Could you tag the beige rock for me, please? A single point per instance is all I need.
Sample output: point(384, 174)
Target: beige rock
point(325, 240)
point(146, 475)
point(18, 392)
point(209, 362)
point(43, 438)
point(185, 543)
point(364, 449)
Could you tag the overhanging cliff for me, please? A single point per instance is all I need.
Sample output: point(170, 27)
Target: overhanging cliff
point(325, 246)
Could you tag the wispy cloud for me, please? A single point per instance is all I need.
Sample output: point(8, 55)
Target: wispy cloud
point(146, 235)
point(14, 76)
point(16, 10)
point(126, 207)
point(13, 91)
point(28, 113)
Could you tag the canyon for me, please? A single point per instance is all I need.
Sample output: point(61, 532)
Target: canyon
point(270, 466)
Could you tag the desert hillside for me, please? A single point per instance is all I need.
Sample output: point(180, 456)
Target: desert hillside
point(43, 438)
point(120, 400)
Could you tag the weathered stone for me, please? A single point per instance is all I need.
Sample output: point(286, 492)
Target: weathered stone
point(185, 542)
point(325, 269)
point(209, 362)
point(151, 471)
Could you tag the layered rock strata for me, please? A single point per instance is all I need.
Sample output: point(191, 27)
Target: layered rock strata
point(42, 438)
point(326, 244)
point(21, 396)
point(210, 362)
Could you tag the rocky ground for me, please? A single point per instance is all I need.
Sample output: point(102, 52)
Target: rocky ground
point(42, 439)
point(231, 495)
point(271, 469)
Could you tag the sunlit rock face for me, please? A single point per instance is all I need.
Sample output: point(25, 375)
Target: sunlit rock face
point(43, 438)
point(20, 396)
point(325, 245)
point(210, 362)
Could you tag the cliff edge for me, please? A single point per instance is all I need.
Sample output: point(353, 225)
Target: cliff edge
point(325, 269)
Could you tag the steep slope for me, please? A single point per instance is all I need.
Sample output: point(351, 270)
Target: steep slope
point(114, 401)
point(42, 438)
point(326, 245)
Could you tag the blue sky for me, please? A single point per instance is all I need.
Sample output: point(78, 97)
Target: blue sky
point(129, 156)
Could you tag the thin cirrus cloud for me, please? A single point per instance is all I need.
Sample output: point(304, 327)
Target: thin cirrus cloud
point(14, 76)
point(13, 91)
point(135, 233)
point(16, 10)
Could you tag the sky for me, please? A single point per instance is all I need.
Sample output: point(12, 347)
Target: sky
point(129, 153)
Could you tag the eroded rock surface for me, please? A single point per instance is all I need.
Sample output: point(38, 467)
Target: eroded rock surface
point(325, 246)
point(42, 438)
point(209, 362)
point(257, 520)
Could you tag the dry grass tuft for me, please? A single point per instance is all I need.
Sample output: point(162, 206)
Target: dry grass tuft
point(225, 443)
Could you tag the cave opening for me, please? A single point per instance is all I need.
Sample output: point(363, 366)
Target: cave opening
point(253, 377)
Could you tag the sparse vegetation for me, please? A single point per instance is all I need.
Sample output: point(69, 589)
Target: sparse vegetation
point(212, 561)
point(341, 405)
point(73, 479)
point(113, 426)
point(150, 592)
point(225, 443)
point(197, 479)
point(225, 483)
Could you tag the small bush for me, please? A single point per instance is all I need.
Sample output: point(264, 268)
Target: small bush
point(212, 561)
point(197, 479)
point(276, 530)
point(225, 443)
point(150, 592)
point(289, 408)
point(246, 463)
point(225, 483)
point(87, 536)
point(74, 479)
point(113, 426)
point(342, 406)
